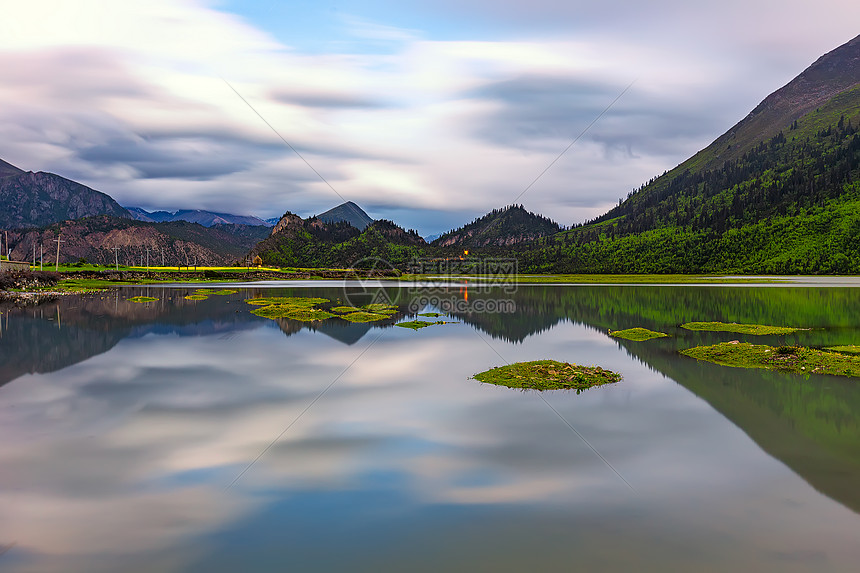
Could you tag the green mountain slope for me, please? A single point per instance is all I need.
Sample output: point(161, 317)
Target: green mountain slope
point(310, 243)
point(778, 193)
point(830, 75)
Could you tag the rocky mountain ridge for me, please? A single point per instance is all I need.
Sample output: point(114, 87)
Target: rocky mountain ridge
point(29, 199)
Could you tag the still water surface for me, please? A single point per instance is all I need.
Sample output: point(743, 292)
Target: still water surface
point(195, 436)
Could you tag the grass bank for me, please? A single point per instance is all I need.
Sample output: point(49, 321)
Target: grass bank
point(548, 375)
point(796, 359)
point(755, 329)
point(637, 334)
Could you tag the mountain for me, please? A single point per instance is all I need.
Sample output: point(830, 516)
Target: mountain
point(777, 193)
point(174, 242)
point(500, 228)
point(8, 170)
point(347, 212)
point(30, 199)
point(312, 242)
point(832, 74)
point(150, 216)
point(205, 218)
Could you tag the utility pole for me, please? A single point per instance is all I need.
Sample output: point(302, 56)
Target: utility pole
point(57, 264)
point(162, 256)
point(116, 257)
point(41, 253)
point(147, 259)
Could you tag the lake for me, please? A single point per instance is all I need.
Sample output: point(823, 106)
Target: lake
point(183, 435)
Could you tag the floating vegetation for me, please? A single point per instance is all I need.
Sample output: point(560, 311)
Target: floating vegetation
point(196, 297)
point(304, 314)
point(797, 359)
point(417, 324)
point(344, 309)
point(223, 291)
point(637, 334)
point(305, 309)
point(288, 300)
point(847, 349)
point(142, 299)
point(362, 316)
point(757, 329)
point(548, 375)
point(431, 314)
point(380, 308)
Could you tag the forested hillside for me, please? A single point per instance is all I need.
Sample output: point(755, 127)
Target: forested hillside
point(310, 243)
point(500, 228)
point(789, 203)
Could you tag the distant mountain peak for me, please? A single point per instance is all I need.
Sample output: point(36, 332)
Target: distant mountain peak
point(507, 226)
point(203, 217)
point(347, 212)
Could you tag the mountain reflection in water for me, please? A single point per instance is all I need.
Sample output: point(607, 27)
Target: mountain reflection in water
point(134, 417)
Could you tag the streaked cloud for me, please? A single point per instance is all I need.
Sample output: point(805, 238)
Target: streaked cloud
point(430, 113)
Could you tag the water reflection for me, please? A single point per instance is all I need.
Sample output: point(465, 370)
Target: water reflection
point(149, 412)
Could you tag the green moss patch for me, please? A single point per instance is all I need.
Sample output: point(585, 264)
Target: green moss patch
point(418, 324)
point(380, 308)
point(757, 329)
point(196, 297)
point(796, 359)
point(225, 291)
point(142, 299)
point(431, 314)
point(848, 349)
point(302, 301)
point(548, 375)
point(305, 309)
point(362, 316)
point(637, 334)
point(295, 313)
point(344, 309)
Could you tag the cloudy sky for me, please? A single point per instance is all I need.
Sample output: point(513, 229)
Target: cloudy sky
point(428, 113)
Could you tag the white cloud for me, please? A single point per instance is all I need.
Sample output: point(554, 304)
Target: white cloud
point(128, 98)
